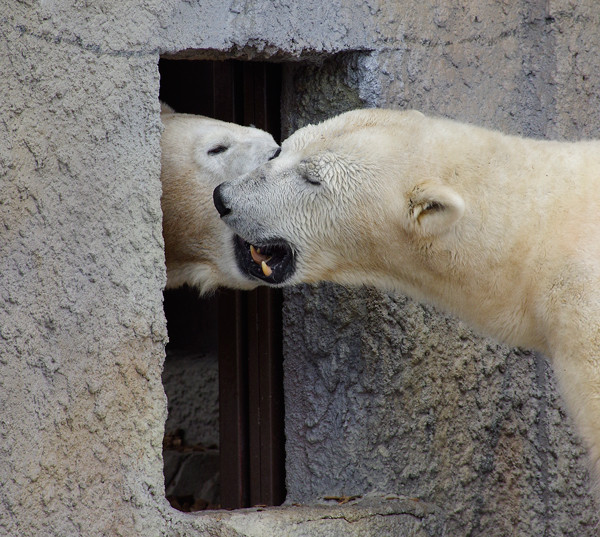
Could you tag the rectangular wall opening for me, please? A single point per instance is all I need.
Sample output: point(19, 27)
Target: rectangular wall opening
point(224, 437)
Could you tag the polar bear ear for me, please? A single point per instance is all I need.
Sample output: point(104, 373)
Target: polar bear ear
point(434, 208)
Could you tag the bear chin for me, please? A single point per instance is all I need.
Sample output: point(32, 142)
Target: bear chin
point(271, 261)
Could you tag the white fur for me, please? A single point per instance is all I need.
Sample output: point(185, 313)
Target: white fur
point(500, 230)
point(198, 246)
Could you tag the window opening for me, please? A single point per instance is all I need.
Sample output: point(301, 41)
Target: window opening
point(240, 345)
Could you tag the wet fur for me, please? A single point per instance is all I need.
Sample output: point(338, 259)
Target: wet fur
point(500, 230)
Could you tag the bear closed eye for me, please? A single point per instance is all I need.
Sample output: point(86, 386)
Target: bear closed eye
point(500, 230)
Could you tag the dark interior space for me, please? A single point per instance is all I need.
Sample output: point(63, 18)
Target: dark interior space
point(224, 354)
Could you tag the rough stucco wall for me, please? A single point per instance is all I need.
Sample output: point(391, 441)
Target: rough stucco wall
point(527, 67)
point(197, 416)
point(397, 398)
point(384, 394)
point(81, 270)
point(272, 28)
point(482, 436)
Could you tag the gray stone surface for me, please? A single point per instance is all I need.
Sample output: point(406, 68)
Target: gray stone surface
point(382, 394)
point(385, 394)
point(191, 382)
point(375, 514)
point(81, 271)
point(397, 398)
point(193, 473)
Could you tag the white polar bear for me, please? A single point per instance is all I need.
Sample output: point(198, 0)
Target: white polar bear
point(500, 230)
point(198, 153)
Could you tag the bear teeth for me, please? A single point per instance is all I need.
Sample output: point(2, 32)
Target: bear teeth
point(261, 259)
point(257, 257)
point(266, 269)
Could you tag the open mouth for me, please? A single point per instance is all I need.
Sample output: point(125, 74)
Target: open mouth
point(272, 261)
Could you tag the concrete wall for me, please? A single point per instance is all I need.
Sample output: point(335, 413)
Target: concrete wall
point(387, 396)
point(384, 394)
point(81, 271)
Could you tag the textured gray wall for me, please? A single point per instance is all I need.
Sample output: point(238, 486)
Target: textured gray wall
point(394, 397)
point(384, 394)
point(81, 269)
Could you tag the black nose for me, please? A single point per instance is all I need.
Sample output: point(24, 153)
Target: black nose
point(219, 203)
point(276, 154)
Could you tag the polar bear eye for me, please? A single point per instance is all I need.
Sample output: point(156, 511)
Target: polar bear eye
point(217, 149)
point(309, 179)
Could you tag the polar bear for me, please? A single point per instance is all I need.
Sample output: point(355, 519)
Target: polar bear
point(198, 153)
point(500, 230)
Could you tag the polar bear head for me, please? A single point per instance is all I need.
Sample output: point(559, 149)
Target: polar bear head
point(341, 195)
point(198, 153)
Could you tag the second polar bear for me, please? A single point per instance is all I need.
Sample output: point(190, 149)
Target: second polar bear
point(198, 153)
point(500, 230)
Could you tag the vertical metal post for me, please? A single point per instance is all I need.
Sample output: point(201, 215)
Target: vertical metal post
point(233, 401)
point(250, 346)
point(265, 376)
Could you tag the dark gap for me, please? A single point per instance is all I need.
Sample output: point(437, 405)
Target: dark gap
point(233, 336)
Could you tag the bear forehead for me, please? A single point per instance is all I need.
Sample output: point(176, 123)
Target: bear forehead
point(366, 146)
point(217, 129)
point(355, 131)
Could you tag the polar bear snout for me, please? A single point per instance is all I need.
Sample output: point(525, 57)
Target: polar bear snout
point(219, 202)
point(260, 254)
